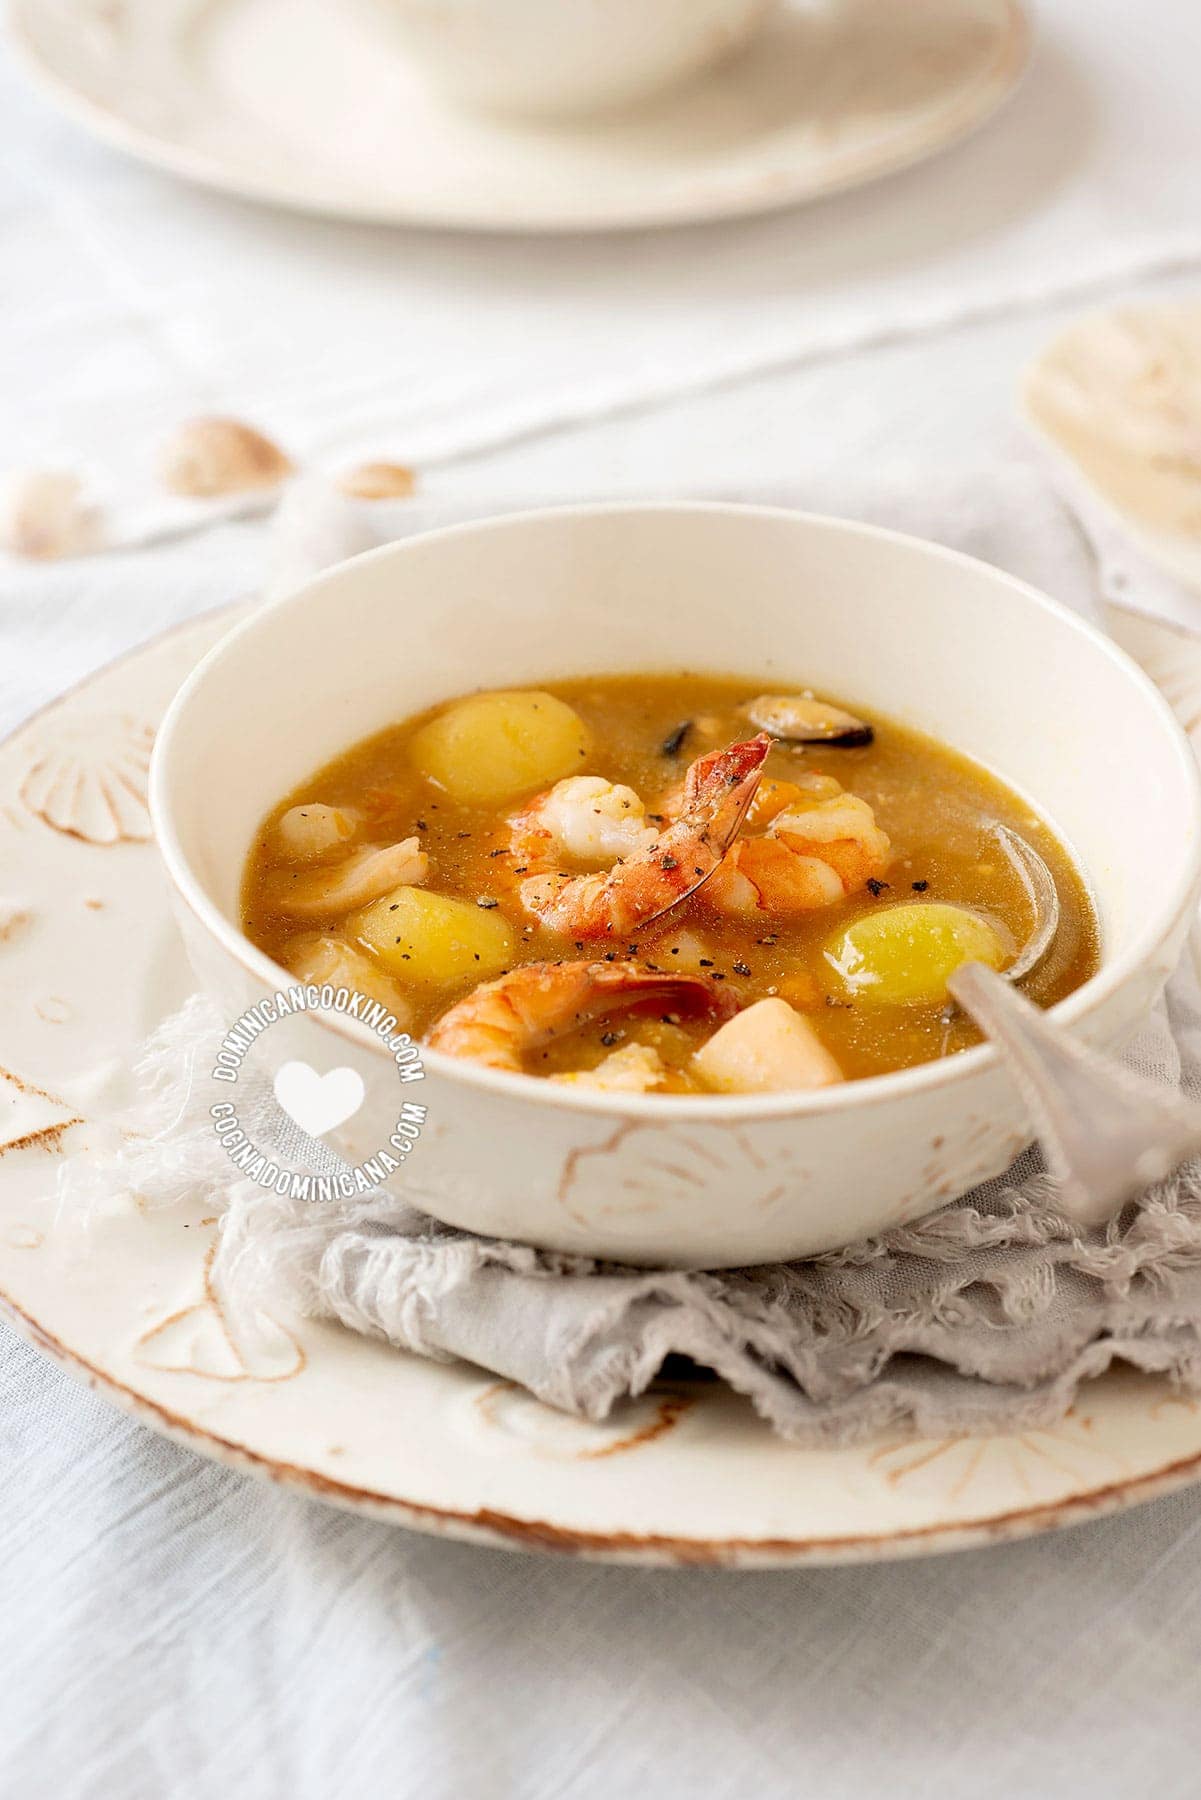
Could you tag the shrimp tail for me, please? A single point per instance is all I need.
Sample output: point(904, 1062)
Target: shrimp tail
point(724, 784)
point(718, 792)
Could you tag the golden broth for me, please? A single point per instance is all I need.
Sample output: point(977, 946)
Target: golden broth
point(934, 804)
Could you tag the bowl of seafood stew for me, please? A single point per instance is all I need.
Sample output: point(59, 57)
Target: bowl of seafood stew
point(660, 828)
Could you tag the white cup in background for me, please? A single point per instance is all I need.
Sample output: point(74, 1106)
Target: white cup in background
point(564, 57)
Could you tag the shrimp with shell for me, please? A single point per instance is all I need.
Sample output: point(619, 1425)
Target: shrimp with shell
point(501, 1022)
point(652, 871)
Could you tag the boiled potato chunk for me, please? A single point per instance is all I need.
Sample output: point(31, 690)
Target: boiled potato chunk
point(906, 954)
point(495, 747)
point(768, 1049)
point(433, 939)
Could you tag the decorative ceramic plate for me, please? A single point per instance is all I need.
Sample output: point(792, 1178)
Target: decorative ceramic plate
point(89, 961)
point(301, 103)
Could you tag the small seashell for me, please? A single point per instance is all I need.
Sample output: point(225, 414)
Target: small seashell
point(44, 516)
point(800, 719)
point(92, 783)
point(210, 457)
point(378, 481)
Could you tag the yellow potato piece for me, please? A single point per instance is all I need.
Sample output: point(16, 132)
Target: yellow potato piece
point(432, 939)
point(905, 955)
point(495, 747)
point(768, 1049)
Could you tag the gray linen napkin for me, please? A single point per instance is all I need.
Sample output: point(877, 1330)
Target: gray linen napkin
point(986, 1316)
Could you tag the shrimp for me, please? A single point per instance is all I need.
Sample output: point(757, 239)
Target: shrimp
point(819, 846)
point(659, 868)
point(503, 1020)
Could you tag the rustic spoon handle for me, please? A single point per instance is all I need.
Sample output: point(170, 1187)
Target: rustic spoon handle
point(1107, 1134)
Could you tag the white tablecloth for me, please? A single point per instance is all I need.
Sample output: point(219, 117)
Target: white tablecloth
point(167, 1627)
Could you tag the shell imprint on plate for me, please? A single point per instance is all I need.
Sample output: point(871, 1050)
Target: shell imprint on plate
point(92, 782)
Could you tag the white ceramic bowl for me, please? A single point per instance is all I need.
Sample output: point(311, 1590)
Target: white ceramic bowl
point(558, 57)
point(897, 625)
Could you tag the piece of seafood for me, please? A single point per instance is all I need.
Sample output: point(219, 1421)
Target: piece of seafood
point(364, 876)
point(503, 1021)
point(661, 868)
point(801, 719)
point(812, 853)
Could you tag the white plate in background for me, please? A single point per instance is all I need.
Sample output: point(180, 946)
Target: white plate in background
point(299, 103)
